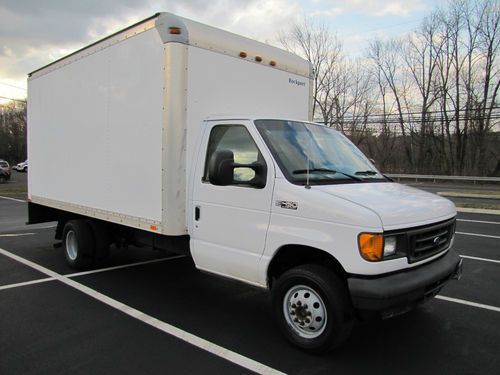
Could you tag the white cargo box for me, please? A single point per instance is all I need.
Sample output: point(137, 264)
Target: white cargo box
point(112, 127)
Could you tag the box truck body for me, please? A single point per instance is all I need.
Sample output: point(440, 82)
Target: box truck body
point(112, 128)
point(183, 137)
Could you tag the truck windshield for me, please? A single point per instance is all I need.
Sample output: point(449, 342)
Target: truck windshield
point(315, 154)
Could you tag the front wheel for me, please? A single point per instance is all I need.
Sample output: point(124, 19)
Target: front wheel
point(312, 308)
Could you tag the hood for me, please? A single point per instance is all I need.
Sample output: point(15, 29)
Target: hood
point(397, 205)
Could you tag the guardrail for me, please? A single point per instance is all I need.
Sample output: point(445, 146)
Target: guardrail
point(434, 178)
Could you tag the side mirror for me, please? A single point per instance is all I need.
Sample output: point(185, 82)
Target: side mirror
point(221, 168)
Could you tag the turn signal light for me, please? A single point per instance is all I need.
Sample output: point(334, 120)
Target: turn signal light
point(371, 246)
point(174, 30)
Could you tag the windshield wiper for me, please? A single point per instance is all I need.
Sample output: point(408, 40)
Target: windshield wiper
point(302, 171)
point(326, 170)
point(366, 173)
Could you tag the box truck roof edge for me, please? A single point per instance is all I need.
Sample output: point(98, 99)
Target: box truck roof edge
point(173, 28)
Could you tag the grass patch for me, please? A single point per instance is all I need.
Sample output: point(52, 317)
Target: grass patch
point(12, 190)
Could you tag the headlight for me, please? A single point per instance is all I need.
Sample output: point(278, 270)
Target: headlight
point(389, 246)
point(374, 247)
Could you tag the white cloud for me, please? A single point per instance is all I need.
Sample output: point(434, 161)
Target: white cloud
point(34, 33)
point(374, 7)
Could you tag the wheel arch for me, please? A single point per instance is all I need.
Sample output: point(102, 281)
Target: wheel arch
point(292, 255)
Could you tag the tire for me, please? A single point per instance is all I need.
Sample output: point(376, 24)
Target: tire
point(312, 308)
point(78, 244)
point(102, 240)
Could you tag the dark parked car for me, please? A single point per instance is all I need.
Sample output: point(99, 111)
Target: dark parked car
point(4, 171)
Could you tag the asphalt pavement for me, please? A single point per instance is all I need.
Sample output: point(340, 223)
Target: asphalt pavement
point(150, 312)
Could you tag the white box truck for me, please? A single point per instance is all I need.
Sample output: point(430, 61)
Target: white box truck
point(180, 136)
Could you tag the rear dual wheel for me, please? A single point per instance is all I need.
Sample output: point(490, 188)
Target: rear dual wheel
point(313, 308)
point(85, 243)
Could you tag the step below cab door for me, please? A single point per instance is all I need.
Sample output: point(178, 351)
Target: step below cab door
point(231, 201)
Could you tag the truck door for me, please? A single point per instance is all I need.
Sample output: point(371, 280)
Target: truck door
point(230, 222)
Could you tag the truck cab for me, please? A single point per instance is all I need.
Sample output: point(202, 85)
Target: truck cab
point(276, 201)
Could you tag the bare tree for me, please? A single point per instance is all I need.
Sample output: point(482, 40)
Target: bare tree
point(427, 102)
point(387, 63)
point(13, 132)
point(316, 43)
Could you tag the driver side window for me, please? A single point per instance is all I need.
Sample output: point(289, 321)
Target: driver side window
point(237, 139)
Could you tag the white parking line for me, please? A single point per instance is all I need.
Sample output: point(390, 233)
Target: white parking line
point(13, 199)
point(123, 266)
point(199, 342)
point(478, 235)
point(46, 227)
point(37, 281)
point(469, 303)
point(16, 285)
point(482, 259)
point(480, 221)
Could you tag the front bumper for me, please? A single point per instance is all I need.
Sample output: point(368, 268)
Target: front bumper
point(403, 290)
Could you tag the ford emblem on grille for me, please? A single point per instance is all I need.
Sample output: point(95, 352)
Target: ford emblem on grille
point(436, 240)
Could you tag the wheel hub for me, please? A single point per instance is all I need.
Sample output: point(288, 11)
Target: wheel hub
point(305, 311)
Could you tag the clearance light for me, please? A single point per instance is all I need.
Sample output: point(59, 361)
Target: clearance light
point(174, 30)
point(258, 58)
point(371, 246)
point(272, 63)
point(243, 54)
point(153, 227)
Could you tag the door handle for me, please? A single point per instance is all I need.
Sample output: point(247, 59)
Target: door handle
point(197, 213)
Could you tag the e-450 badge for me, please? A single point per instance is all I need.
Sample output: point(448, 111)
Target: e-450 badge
point(289, 205)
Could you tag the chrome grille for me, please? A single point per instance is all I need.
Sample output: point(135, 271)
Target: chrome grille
point(429, 240)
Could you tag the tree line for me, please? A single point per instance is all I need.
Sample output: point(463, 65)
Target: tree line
point(13, 132)
point(423, 103)
point(426, 102)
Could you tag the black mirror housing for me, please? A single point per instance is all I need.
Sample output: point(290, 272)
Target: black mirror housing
point(221, 168)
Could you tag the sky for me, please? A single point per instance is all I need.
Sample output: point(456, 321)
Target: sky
point(34, 33)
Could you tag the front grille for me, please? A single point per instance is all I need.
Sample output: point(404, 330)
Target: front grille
point(427, 241)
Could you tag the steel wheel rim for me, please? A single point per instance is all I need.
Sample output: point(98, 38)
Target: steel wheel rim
point(71, 245)
point(305, 311)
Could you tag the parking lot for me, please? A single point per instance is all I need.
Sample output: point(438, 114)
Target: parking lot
point(151, 312)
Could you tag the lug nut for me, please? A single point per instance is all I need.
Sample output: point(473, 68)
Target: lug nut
point(299, 303)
